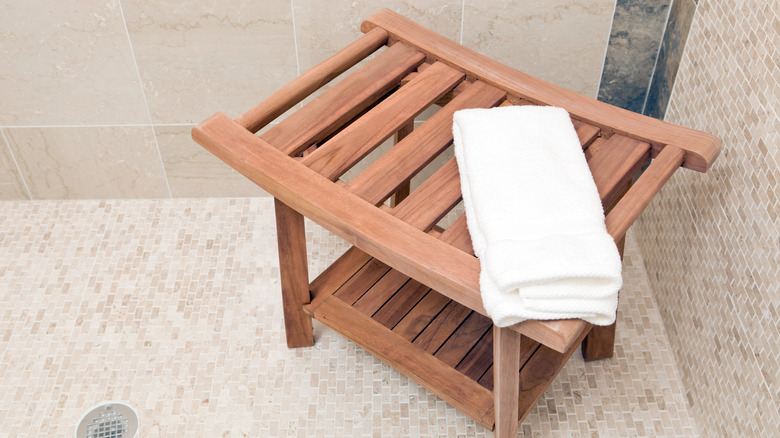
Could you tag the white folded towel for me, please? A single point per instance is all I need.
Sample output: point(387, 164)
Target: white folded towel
point(535, 217)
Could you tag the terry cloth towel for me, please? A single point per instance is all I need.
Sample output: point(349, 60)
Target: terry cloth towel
point(535, 217)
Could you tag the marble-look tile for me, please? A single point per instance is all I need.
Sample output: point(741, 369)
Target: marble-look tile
point(680, 19)
point(637, 30)
point(89, 162)
point(193, 172)
point(323, 28)
point(11, 184)
point(560, 41)
point(199, 57)
point(67, 63)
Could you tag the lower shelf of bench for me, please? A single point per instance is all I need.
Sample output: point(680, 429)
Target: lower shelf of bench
point(440, 344)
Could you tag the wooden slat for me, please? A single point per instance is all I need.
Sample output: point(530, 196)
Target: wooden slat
point(457, 235)
point(335, 275)
point(294, 275)
point(506, 362)
point(404, 160)
point(479, 359)
point(441, 327)
point(642, 192)
point(319, 75)
point(346, 99)
point(463, 339)
point(452, 386)
point(527, 349)
point(418, 317)
point(433, 199)
point(391, 240)
point(380, 292)
point(701, 149)
point(399, 305)
point(362, 136)
point(356, 286)
point(585, 132)
point(594, 148)
point(615, 164)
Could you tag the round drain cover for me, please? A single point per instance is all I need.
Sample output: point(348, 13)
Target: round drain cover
point(108, 420)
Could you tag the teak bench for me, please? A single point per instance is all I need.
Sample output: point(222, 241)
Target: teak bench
point(408, 291)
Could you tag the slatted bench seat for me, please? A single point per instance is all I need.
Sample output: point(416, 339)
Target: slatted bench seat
point(408, 290)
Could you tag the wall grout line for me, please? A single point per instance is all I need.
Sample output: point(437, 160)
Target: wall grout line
point(16, 164)
point(295, 38)
point(606, 48)
point(657, 55)
point(146, 101)
point(113, 125)
point(462, 19)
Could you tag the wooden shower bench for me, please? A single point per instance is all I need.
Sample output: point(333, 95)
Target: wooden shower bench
point(408, 290)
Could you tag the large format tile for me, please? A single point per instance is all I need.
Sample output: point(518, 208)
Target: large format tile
point(637, 30)
point(193, 172)
point(67, 63)
point(323, 28)
point(89, 163)
point(560, 41)
point(199, 57)
point(11, 184)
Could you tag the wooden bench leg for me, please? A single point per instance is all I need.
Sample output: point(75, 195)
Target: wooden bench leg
point(506, 380)
point(404, 190)
point(294, 273)
point(600, 342)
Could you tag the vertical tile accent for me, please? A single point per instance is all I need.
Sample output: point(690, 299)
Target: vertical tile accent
point(637, 30)
point(11, 182)
point(199, 57)
point(193, 172)
point(680, 19)
point(66, 63)
point(560, 41)
point(711, 242)
point(89, 163)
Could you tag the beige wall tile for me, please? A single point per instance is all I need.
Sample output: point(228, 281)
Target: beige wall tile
point(199, 57)
point(712, 242)
point(322, 28)
point(67, 63)
point(560, 41)
point(89, 163)
point(193, 172)
point(11, 185)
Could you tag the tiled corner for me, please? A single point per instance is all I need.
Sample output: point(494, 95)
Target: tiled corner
point(680, 18)
point(89, 163)
point(174, 307)
point(193, 172)
point(710, 242)
point(323, 28)
point(199, 57)
point(637, 31)
point(67, 63)
point(560, 41)
point(11, 183)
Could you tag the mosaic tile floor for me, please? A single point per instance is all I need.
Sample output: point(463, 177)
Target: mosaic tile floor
point(174, 307)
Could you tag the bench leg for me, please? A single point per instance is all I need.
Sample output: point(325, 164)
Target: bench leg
point(506, 380)
point(600, 342)
point(294, 273)
point(405, 188)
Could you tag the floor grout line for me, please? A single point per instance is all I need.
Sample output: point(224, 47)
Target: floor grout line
point(295, 38)
point(462, 19)
point(146, 101)
point(16, 164)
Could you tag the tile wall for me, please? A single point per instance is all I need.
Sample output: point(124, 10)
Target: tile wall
point(98, 97)
point(711, 243)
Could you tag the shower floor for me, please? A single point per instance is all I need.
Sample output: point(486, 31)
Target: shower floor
point(173, 306)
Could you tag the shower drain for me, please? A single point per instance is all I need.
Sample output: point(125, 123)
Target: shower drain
point(108, 420)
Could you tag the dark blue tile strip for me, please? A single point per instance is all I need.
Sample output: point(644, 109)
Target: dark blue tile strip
point(680, 19)
point(637, 30)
